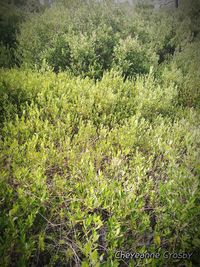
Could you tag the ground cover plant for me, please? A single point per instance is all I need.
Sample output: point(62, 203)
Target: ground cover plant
point(99, 136)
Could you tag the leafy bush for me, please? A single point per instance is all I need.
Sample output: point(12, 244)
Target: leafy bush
point(39, 33)
point(58, 56)
point(92, 54)
point(131, 58)
point(6, 56)
point(183, 71)
point(94, 38)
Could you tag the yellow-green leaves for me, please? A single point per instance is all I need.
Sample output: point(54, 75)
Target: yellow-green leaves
point(89, 168)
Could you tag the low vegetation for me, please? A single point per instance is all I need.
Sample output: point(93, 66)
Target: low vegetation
point(99, 137)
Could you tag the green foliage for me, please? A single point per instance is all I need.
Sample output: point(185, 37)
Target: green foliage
point(95, 37)
point(183, 71)
point(6, 56)
point(99, 134)
point(87, 41)
point(131, 58)
point(70, 39)
point(86, 168)
point(92, 54)
point(10, 18)
point(12, 13)
point(39, 34)
point(59, 55)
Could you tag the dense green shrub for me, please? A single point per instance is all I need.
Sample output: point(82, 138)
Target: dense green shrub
point(93, 38)
point(6, 56)
point(10, 18)
point(183, 71)
point(12, 14)
point(131, 58)
point(131, 38)
point(92, 54)
point(86, 168)
point(58, 56)
point(40, 33)
point(92, 166)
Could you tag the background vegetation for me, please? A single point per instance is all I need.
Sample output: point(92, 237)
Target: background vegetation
point(99, 133)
